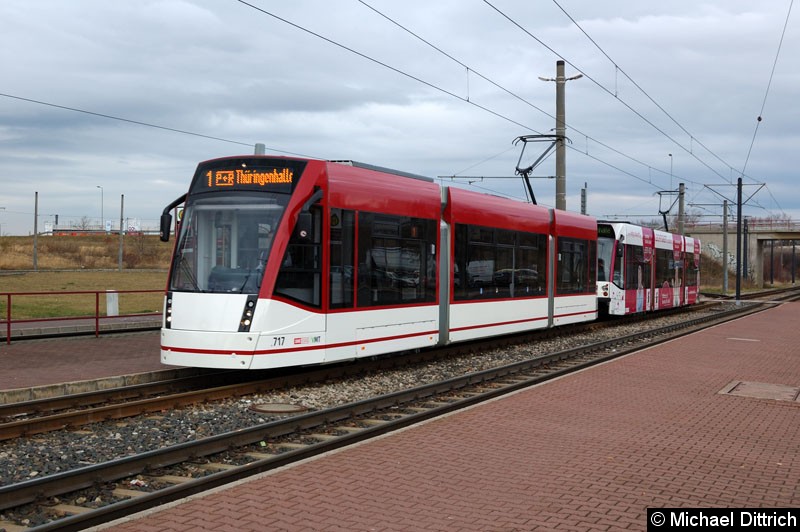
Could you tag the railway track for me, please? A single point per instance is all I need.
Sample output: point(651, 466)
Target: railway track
point(134, 483)
point(28, 418)
point(776, 294)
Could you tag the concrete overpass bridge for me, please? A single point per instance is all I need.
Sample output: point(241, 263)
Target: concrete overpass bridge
point(758, 237)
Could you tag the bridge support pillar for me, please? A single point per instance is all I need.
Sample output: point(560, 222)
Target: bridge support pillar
point(759, 273)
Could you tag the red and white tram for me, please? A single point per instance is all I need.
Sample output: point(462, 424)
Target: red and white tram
point(642, 269)
point(284, 261)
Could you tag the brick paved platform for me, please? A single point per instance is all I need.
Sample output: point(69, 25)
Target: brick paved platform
point(39, 368)
point(590, 451)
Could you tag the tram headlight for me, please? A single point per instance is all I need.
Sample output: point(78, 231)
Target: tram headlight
point(247, 313)
point(168, 311)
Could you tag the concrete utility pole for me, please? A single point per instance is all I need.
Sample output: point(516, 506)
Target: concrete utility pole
point(681, 213)
point(583, 197)
point(35, 231)
point(121, 231)
point(561, 128)
point(102, 214)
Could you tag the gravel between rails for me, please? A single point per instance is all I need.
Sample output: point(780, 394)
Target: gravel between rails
point(45, 454)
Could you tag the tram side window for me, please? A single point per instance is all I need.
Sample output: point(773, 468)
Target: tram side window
point(341, 257)
point(531, 256)
point(692, 270)
point(496, 263)
point(575, 272)
point(504, 266)
point(299, 277)
point(637, 271)
point(396, 260)
point(665, 268)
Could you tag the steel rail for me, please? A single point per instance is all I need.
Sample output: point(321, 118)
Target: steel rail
point(120, 393)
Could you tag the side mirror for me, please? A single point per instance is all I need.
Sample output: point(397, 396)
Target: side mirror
point(166, 227)
point(620, 249)
point(304, 229)
point(166, 219)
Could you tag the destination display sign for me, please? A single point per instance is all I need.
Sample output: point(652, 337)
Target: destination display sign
point(268, 175)
point(605, 230)
point(246, 176)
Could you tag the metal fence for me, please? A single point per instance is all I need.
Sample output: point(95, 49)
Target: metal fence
point(78, 316)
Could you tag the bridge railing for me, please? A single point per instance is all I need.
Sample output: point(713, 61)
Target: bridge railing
point(753, 226)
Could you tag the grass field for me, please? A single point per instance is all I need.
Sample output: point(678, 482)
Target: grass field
point(84, 252)
point(73, 264)
point(60, 303)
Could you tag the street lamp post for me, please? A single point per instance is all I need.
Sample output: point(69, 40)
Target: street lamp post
point(102, 215)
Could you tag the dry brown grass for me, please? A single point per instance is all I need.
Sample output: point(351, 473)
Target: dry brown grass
point(76, 281)
point(84, 252)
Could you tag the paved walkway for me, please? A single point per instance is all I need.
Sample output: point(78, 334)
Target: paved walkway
point(54, 363)
point(591, 451)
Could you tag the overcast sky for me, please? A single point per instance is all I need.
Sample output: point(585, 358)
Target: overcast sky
point(686, 78)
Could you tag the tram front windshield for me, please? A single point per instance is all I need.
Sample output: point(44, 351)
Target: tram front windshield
point(224, 242)
point(605, 254)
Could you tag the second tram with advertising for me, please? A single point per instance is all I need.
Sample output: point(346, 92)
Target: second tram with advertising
point(283, 261)
point(642, 269)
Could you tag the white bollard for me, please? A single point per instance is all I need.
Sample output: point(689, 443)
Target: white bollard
point(112, 303)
